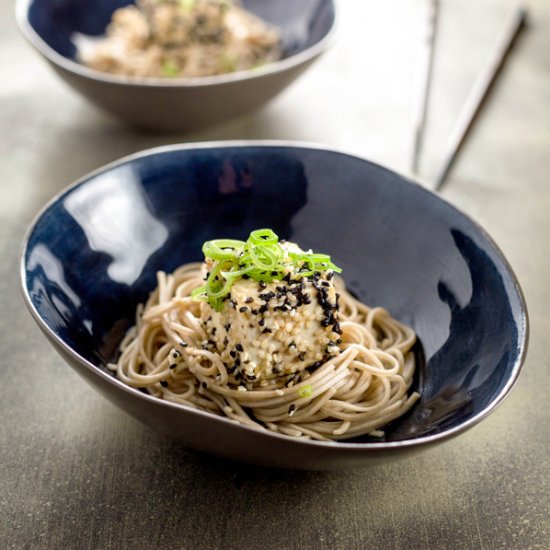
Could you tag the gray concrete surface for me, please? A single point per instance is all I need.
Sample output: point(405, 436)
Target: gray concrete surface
point(77, 473)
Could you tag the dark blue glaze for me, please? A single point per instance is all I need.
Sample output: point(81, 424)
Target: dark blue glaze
point(302, 23)
point(93, 255)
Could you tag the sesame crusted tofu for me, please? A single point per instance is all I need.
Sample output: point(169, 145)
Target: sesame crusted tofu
point(265, 330)
point(182, 38)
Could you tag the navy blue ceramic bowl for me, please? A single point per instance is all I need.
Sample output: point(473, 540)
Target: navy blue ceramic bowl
point(91, 256)
point(51, 26)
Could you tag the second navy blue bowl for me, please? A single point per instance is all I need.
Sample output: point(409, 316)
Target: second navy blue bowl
point(92, 254)
point(170, 104)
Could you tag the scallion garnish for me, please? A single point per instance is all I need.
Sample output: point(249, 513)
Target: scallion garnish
point(187, 5)
point(261, 258)
point(169, 69)
point(305, 391)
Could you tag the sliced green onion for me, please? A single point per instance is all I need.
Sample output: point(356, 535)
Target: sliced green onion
point(221, 249)
point(169, 69)
point(236, 274)
point(199, 294)
point(305, 391)
point(263, 236)
point(228, 63)
point(260, 258)
point(263, 258)
point(187, 5)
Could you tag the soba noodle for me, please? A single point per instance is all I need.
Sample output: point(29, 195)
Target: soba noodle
point(356, 392)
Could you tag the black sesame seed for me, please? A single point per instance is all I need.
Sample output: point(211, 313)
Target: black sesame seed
point(183, 344)
point(249, 300)
point(254, 311)
point(227, 327)
point(233, 353)
point(237, 362)
point(173, 366)
point(325, 283)
point(291, 408)
point(302, 355)
point(239, 347)
point(243, 309)
point(204, 385)
point(163, 383)
point(267, 331)
point(330, 275)
point(262, 284)
point(261, 322)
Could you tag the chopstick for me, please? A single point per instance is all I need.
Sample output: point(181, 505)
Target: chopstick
point(424, 91)
point(479, 93)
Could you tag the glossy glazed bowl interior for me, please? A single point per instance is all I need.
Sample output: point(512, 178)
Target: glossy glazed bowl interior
point(92, 254)
point(53, 28)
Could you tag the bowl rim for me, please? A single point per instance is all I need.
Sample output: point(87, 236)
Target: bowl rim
point(328, 446)
point(272, 68)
